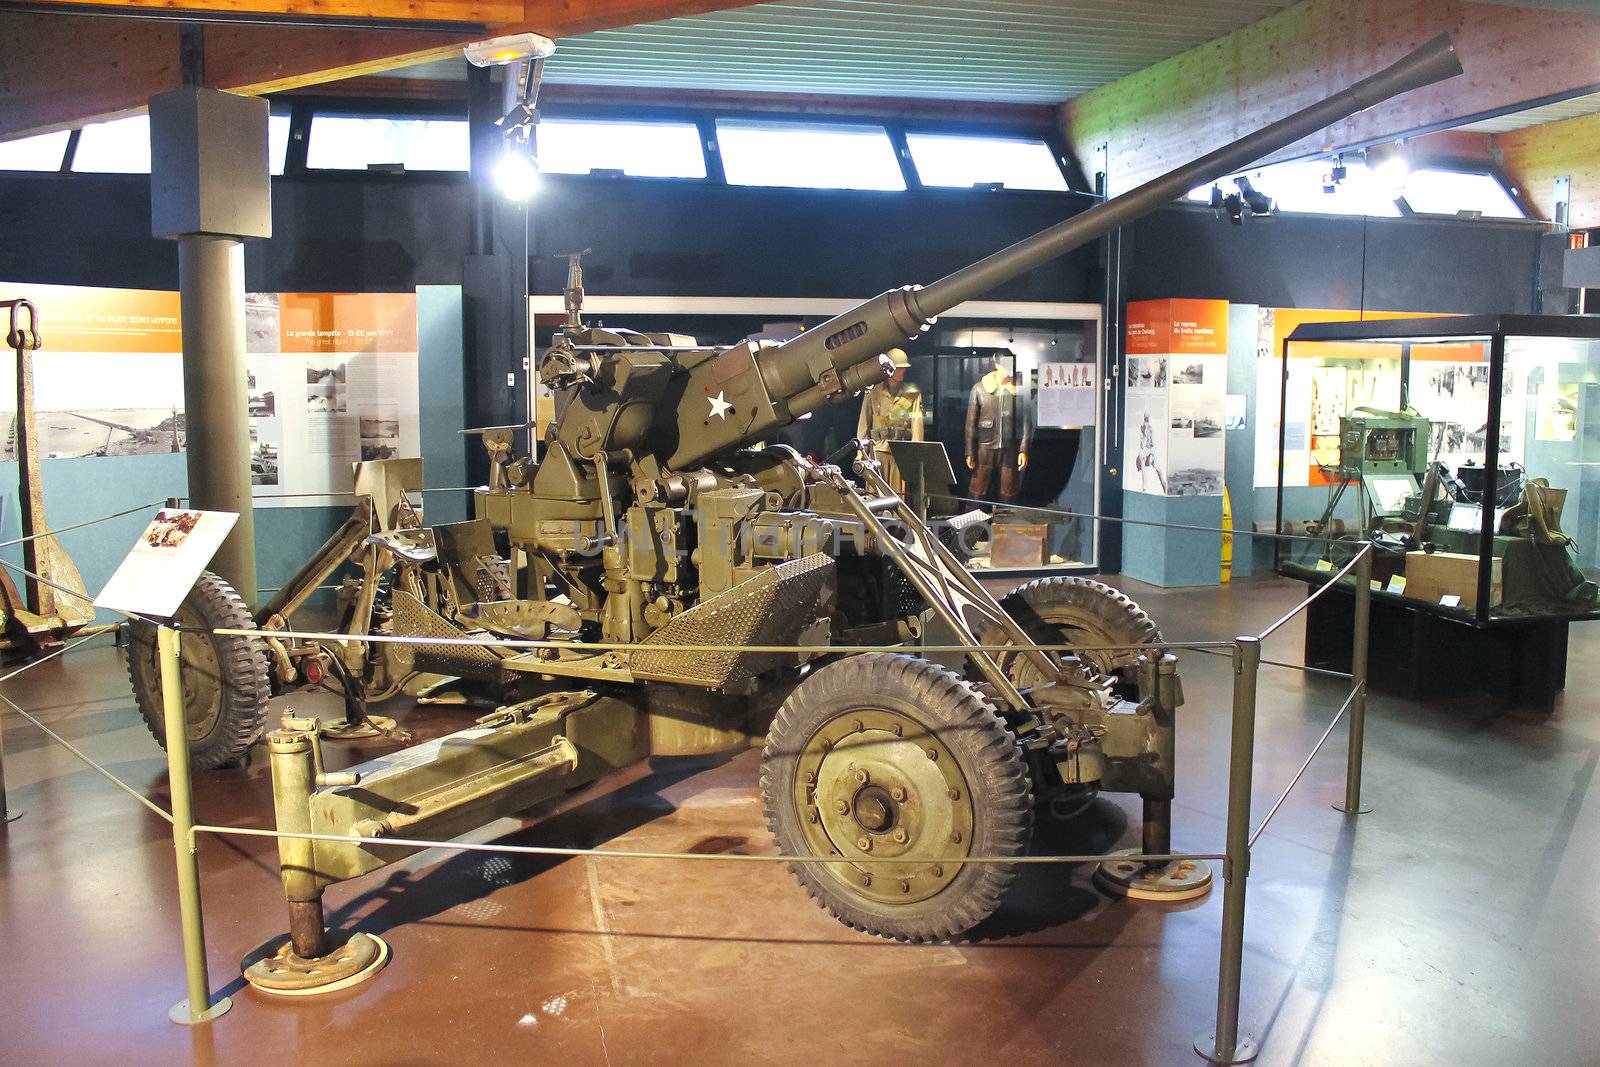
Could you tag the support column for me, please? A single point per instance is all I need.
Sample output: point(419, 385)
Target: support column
point(210, 188)
point(494, 278)
point(215, 401)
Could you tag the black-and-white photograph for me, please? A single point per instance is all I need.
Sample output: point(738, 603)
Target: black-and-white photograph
point(1190, 373)
point(326, 389)
point(263, 403)
point(261, 318)
point(1194, 481)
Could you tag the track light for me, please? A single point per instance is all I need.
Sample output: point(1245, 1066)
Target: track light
point(1258, 202)
point(516, 175)
point(517, 172)
point(1229, 206)
point(1336, 175)
point(509, 49)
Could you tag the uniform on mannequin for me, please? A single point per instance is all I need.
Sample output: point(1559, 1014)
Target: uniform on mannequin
point(999, 429)
point(891, 411)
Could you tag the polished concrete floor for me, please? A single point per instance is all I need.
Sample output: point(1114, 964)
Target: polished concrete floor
point(1458, 923)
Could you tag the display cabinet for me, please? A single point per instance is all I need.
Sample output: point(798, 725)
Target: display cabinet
point(1384, 438)
point(1466, 451)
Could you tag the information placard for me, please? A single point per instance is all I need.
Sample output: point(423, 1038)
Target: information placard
point(166, 561)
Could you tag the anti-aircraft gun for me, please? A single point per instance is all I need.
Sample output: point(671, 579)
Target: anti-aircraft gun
point(658, 583)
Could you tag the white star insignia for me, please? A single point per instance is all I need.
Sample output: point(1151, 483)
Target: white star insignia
point(720, 407)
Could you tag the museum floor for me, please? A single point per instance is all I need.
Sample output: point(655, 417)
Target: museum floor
point(1455, 924)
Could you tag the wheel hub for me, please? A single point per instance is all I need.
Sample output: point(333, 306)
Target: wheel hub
point(875, 810)
point(876, 783)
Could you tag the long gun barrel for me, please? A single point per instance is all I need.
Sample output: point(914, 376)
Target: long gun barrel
point(844, 354)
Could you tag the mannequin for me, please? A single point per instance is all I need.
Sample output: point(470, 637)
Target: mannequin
point(891, 411)
point(999, 429)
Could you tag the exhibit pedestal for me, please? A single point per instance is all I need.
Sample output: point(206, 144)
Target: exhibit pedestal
point(1158, 545)
point(1422, 655)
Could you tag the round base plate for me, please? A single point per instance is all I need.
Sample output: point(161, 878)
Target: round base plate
point(1178, 880)
point(371, 726)
point(277, 970)
point(179, 1012)
point(1362, 810)
point(1245, 1048)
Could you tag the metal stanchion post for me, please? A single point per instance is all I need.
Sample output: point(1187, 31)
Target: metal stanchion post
point(183, 842)
point(1358, 684)
point(1225, 1044)
point(6, 814)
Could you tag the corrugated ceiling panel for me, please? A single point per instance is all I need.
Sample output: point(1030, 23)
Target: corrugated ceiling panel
point(1007, 50)
point(1538, 116)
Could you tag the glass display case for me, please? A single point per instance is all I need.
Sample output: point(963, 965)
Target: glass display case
point(1384, 437)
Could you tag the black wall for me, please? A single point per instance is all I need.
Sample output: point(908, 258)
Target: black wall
point(1442, 265)
point(382, 233)
point(387, 233)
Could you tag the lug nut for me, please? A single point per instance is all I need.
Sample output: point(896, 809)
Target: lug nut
point(861, 777)
point(955, 794)
point(933, 753)
point(956, 837)
point(905, 887)
point(864, 844)
point(898, 793)
point(842, 807)
point(938, 871)
point(900, 836)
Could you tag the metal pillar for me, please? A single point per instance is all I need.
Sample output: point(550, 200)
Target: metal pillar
point(494, 279)
point(1358, 683)
point(1225, 1044)
point(183, 843)
point(215, 404)
point(209, 188)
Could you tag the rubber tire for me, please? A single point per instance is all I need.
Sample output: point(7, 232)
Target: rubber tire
point(242, 717)
point(1051, 609)
point(969, 727)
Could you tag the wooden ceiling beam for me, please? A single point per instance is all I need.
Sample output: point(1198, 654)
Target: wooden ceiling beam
point(59, 71)
point(487, 12)
point(1141, 125)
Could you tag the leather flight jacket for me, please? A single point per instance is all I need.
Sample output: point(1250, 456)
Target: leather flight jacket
point(998, 421)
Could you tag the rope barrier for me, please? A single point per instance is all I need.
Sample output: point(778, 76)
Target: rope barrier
point(78, 525)
point(632, 854)
point(68, 745)
point(1059, 513)
point(625, 646)
point(1304, 766)
point(1333, 580)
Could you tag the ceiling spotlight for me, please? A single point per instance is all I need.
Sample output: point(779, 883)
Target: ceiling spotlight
point(500, 50)
point(1390, 167)
point(1230, 206)
point(517, 172)
point(1258, 202)
point(1331, 180)
point(516, 175)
